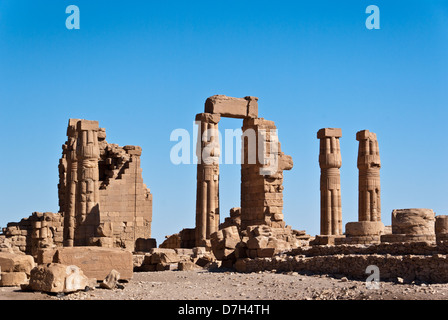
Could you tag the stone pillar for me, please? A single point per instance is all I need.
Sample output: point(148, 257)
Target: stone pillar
point(207, 199)
point(71, 184)
point(87, 197)
point(330, 183)
point(441, 228)
point(369, 228)
point(369, 165)
point(262, 168)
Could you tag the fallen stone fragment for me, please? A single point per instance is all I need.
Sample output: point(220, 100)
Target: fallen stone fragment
point(57, 278)
point(111, 281)
point(187, 266)
point(10, 262)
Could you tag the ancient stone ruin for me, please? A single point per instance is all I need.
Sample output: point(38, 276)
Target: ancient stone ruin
point(101, 191)
point(330, 186)
point(262, 168)
point(102, 198)
point(102, 231)
point(369, 228)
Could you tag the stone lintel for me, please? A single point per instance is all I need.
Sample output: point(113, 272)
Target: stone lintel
point(230, 107)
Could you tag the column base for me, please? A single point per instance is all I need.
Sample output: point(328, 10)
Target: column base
point(322, 240)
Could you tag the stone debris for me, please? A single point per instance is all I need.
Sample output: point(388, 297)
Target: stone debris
point(10, 262)
point(111, 280)
point(40, 230)
point(162, 259)
point(58, 278)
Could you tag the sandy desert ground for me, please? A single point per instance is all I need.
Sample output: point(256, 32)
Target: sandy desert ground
point(227, 285)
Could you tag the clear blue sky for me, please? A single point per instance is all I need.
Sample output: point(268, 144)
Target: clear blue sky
point(145, 68)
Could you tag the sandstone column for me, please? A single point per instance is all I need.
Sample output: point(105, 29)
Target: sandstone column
point(262, 174)
point(71, 183)
point(369, 165)
point(369, 228)
point(207, 200)
point(330, 184)
point(87, 203)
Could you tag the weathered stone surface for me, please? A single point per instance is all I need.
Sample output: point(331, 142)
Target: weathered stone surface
point(207, 199)
point(40, 230)
point(224, 242)
point(111, 280)
point(97, 262)
point(441, 225)
point(364, 228)
point(144, 245)
point(427, 268)
point(45, 255)
point(329, 133)
point(413, 221)
point(232, 107)
point(10, 262)
point(105, 229)
point(233, 220)
point(101, 190)
point(323, 240)
point(187, 266)
point(13, 279)
point(167, 257)
point(57, 278)
point(172, 241)
point(330, 182)
point(262, 168)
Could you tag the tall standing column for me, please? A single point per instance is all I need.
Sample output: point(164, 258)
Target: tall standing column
point(71, 183)
point(87, 203)
point(369, 165)
point(207, 199)
point(330, 183)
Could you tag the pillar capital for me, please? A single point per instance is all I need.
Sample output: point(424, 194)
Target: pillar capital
point(330, 185)
point(208, 118)
point(329, 133)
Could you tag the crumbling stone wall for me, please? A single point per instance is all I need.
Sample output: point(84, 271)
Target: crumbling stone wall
point(186, 239)
point(421, 261)
point(40, 230)
point(101, 191)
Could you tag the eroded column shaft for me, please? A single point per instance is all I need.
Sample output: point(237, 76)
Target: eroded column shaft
point(369, 164)
point(87, 197)
point(330, 184)
point(207, 200)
